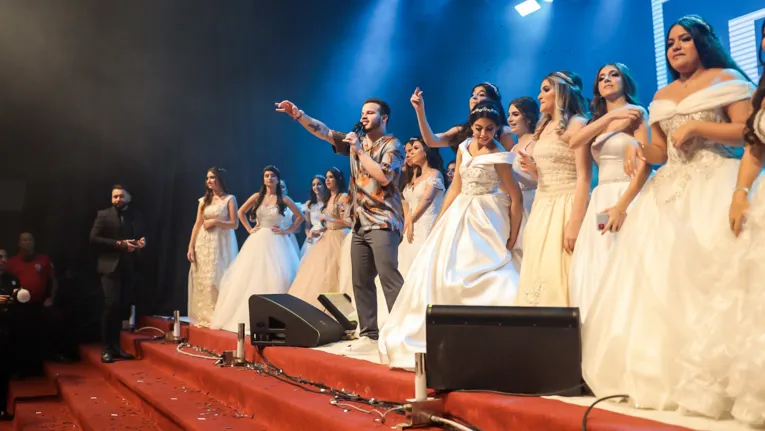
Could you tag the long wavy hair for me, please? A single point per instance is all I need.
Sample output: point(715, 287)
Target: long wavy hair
point(708, 45)
point(629, 89)
point(313, 198)
point(757, 104)
point(493, 95)
point(432, 158)
point(262, 193)
point(222, 177)
point(568, 100)
point(339, 179)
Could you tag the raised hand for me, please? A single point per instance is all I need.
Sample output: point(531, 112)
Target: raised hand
point(417, 101)
point(352, 139)
point(288, 108)
point(626, 118)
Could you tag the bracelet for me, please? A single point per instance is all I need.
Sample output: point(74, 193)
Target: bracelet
point(741, 189)
point(300, 115)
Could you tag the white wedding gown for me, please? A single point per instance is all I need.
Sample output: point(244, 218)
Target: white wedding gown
point(315, 214)
point(724, 363)
point(592, 246)
point(464, 260)
point(648, 297)
point(267, 263)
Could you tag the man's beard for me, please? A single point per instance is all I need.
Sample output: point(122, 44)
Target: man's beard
point(120, 205)
point(373, 126)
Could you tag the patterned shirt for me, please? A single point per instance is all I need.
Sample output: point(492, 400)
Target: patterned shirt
point(376, 206)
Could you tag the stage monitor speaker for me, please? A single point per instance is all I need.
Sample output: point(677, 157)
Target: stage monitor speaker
point(283, 320)
point(524, 350)
point(339, 305)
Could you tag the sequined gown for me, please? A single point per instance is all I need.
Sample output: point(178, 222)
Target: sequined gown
point(214, 250)
point(546, 265)
point(464, 260)
point(649, 297)
point(724, 361)
point(267, 263)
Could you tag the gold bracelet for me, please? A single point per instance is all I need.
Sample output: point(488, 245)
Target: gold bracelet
point(741, 188)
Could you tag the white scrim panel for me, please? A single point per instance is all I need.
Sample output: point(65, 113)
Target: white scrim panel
point(744, 43)
point(657, 14)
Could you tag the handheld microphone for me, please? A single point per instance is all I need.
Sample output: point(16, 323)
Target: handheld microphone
point(359, 129)
point(22, 296)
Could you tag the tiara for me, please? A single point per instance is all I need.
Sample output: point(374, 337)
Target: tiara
point(565, 77)
point(493, 87)
point(622, 66)
point(485, 109)
point(697, 20)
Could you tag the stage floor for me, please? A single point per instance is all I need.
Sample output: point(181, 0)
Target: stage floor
point(222, 340)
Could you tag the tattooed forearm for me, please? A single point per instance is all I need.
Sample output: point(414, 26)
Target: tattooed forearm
point(314, 126)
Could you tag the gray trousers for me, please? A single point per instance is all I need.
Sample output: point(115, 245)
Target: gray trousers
point(372, 253)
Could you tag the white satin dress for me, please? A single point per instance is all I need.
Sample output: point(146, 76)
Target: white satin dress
point(592, 246)
point(464, 261)
point(649, 295)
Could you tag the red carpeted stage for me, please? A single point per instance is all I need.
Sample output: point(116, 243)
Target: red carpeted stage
point(168, 390)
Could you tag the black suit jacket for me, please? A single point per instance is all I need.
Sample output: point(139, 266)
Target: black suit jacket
point(108, 229)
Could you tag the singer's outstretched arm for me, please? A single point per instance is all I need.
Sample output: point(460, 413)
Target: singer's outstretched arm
point(316, 127)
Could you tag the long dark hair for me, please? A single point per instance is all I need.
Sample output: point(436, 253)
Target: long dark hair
point(529, 108)
point(313, 200)
point(262, 193)
point(568, 99)
point(339, 179)
point(708, 45)
point(221, 177)
point(432, 158)
point(493, 95)
point(757, 101)
point(629, 89)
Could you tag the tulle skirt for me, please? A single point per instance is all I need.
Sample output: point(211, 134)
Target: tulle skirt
point(319, 270)
point(267, 263)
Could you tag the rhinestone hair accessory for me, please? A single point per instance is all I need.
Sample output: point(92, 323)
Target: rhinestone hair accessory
point(485, 109)
point(493, 87)
point(566, 78)
point(697, 20)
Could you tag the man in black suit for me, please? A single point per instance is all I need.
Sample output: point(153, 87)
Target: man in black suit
point(114, 233)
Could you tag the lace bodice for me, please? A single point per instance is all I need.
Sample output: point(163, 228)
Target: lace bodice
point(335, 209)
point(556, 166)
point(413, 195)
point(268, 216)
point(217, 210)
point(479, 177)
point(608, 152)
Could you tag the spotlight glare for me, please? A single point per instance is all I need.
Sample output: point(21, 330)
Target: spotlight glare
point(549, 1)
point(527, 7)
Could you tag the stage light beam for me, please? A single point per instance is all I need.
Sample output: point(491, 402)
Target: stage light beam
point(527, 7)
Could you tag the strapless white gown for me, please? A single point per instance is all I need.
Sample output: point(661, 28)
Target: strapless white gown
point(592, 246)
point(723, 363)
point(464, 260)
point(649, 297)
point(267, 263)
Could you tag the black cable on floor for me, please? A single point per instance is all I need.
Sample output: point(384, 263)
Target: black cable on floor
point(598, 401)
point(512, 394)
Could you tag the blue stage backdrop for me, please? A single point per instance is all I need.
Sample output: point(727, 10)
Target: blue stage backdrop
point(153, 93)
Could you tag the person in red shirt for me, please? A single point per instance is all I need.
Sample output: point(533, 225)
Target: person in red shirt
point(35, 271)
point(45, 325)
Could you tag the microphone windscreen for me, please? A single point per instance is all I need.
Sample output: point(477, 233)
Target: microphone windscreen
point(23, 296)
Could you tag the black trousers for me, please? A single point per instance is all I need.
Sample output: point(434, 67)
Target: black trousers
point(118, 295)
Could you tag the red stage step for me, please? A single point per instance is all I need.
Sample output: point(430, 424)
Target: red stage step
point(279, 405)
point(489, 412)
point(30, 388)
point(171, 403)
point(50, 415)
point(95, 405)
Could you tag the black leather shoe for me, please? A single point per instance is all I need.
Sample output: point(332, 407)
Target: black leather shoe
point(123, 354)
point(107, 357)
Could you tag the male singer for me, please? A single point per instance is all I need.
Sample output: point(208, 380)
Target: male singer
point(376, 160)
point(115, 233)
